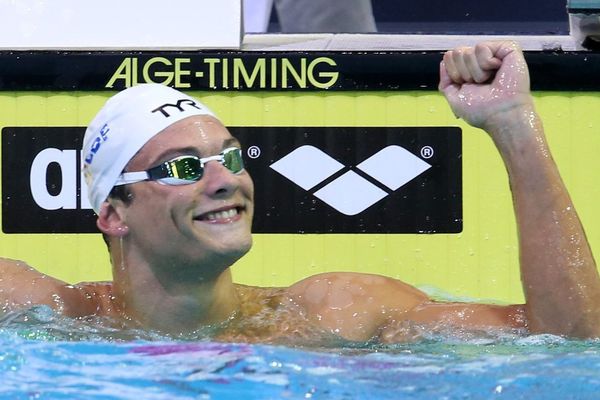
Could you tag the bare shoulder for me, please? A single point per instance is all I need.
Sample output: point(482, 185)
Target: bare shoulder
point(246, 291)
point(255, 299)
point(362, 306)
point(354, 305)
point(370, 287)
point(21, 285)
point(93, 298)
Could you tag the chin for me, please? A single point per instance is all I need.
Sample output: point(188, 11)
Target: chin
point(244, 249)
point(235, 251)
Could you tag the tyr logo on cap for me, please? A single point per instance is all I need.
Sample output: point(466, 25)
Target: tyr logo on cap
point(178, 106)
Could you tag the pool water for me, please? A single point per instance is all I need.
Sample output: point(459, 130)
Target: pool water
point(43, 356)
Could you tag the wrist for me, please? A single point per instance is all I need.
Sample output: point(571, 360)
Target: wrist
point(519, 137)
point(518, 114)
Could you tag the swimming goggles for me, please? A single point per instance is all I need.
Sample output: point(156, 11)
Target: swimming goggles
point(185, 170)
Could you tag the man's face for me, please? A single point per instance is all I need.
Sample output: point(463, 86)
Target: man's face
point(203, 224)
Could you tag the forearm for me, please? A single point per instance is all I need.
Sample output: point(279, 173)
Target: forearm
point(559, 275)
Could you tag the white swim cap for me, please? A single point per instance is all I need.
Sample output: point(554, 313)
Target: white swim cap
point(122, 127)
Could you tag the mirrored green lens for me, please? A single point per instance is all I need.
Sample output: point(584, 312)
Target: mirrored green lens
point(188, 168)
point(232, 160)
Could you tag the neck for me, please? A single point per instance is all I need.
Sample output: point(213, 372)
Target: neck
point(169, 303)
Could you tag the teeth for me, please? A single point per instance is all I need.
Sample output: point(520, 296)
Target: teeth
point(222, 214)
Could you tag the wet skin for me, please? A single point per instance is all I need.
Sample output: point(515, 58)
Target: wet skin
point(282, 316)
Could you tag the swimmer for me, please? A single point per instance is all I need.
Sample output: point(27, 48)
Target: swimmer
point(175, 207)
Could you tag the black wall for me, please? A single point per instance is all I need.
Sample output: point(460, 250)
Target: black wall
point(537, 17)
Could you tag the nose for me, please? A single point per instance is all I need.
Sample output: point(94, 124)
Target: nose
point(218, 180)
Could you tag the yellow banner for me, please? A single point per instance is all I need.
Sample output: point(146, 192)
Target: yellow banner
point(481, 262)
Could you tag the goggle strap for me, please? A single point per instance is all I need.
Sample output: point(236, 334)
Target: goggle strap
point(132, 177)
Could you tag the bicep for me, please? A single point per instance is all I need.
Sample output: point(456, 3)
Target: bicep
point(439, 316)
point(469, 314)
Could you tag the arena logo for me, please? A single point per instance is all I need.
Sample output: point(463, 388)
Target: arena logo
point(350, 193)
point(355, 179)
point(42, 190)
point(306, 179)
point(66, 197)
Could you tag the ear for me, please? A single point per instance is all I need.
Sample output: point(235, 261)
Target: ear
point(110, 221)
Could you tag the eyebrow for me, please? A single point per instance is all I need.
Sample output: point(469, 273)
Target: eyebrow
point(231, 142)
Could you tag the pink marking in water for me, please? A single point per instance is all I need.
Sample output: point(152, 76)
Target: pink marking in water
point(207, 349)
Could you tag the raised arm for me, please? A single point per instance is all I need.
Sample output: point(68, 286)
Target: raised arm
point(488, 87)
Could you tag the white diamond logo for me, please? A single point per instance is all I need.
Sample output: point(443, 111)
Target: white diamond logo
point(307, 166)
point(350, 194)
point(394, 166)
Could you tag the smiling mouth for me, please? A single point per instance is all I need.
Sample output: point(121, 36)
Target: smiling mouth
point(220, 216)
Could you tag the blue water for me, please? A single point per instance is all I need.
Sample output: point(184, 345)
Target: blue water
point(42, 357)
